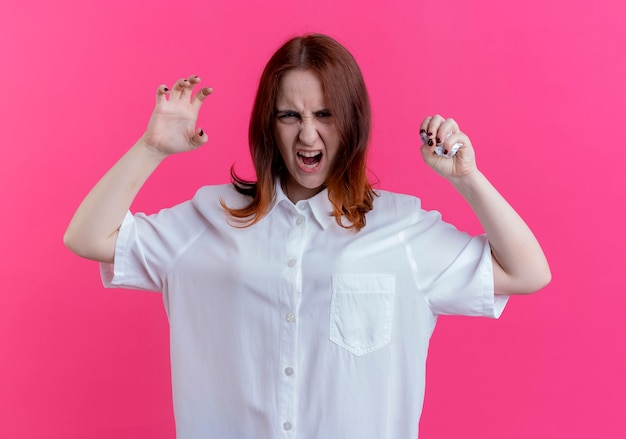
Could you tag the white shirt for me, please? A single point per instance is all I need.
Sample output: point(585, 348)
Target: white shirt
point(296, 327)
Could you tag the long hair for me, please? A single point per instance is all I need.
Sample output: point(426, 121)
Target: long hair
point(349, 191)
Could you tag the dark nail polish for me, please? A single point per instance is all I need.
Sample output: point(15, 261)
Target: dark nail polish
point(166, 89)
point(422, 131)
point(430, 142)
point(429, 134)
point(445, 151)
point(201, 133)
point(438, 141)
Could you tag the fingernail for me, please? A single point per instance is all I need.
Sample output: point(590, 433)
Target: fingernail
point(445, 151)
point(422, 131)
point(166, 89)
point(201, 133)
point(429, 134)
point(438, 141)
point(430, 142)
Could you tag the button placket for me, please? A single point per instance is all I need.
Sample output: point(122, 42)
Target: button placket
point(291, 285)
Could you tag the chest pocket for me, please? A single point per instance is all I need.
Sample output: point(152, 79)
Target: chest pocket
point(361, 311)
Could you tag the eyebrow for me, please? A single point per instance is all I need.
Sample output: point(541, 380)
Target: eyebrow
point(288, 110)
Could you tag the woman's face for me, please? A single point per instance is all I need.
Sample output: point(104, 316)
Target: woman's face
point(306, 134)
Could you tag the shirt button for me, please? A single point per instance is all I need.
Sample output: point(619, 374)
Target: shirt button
point(290, 317)
point(288, 371)
point(292, 263)
point(302, 206)
point(287, 426)
point(300, 220)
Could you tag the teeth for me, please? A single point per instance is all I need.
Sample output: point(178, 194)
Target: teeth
point(306, 157)
point(308, 153)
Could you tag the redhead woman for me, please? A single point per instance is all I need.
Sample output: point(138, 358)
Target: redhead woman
point(301, 304)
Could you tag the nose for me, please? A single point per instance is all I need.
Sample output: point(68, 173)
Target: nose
point(308, 132)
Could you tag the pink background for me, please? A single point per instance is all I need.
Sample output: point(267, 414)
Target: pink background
point(538, 85)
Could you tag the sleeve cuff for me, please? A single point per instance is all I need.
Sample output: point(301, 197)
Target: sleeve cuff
point(493, 304)
point(111, 274)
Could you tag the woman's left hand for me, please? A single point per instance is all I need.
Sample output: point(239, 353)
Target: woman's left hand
point(519, 265)
point(446, 133)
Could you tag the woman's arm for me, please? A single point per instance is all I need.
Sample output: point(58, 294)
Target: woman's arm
point(92, 232)
point(520, 266)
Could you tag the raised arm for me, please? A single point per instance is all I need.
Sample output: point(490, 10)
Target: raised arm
point(92, 232)
point(520, 266)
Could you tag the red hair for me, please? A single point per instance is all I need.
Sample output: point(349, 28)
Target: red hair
point(349, 191)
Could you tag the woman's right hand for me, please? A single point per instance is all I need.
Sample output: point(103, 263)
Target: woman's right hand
point(172, 126)
point(93, 231)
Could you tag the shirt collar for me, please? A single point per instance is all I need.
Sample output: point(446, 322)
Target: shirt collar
point(319, 204)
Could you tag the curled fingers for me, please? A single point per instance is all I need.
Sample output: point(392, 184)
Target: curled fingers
point(161, 93)
point(199, 138)
point(183, 87)
point(201, 96)
point(441, 136)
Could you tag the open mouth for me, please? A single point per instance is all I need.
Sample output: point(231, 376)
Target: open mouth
point(309, 159)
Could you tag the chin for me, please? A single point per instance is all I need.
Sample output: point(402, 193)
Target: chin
point(311, 184)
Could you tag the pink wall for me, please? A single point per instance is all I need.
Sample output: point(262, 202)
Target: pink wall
point(538, 85)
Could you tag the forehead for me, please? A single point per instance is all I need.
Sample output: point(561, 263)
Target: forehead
point(300, 88)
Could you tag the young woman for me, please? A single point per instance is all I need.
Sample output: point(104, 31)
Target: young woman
point(301, 304)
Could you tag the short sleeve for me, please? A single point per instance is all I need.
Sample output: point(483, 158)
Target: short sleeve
point(148, 245)
point(452, 269)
